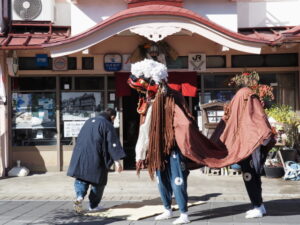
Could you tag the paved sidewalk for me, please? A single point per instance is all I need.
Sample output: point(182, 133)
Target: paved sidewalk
point(128, 186)
point(47, 199)
point(280, 212)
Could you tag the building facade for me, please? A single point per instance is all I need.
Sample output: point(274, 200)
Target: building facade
point(63, 61)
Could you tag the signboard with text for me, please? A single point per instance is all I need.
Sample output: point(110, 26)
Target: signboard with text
point(197, 62)
point(41, 60)
point(112, 62)
point(72, 128)
point(60, 63)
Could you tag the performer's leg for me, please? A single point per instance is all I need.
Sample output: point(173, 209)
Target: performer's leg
point(252, 180)
point(95, 196)
point(179, 180)
point(81, 188)
point(179, 175)
point(165, 190)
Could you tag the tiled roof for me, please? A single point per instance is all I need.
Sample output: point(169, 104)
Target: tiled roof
point(26, 39)
point(275, 35)
point(32, 36)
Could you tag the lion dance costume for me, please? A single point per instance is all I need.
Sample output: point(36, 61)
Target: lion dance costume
point(245, 128)
point(169, 142)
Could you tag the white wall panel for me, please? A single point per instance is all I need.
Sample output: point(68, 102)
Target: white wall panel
point(62, 14)
point(86, 14)
point(222, 12)
point(268, 13)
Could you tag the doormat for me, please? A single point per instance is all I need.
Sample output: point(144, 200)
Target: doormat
point(137, 210)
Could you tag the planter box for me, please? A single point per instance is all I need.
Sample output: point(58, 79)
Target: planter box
point(288, 155)
point(274, 172)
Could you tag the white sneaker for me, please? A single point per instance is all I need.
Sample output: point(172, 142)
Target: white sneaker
point(182, 219)
point(167, 214)
point(96, 209)
point(257, 212)
point(78, 205)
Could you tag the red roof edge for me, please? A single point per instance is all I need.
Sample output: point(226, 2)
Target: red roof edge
point(292, 31)
point(34, 39)
point(137, 3)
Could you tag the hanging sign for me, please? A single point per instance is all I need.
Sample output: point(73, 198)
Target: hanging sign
point(41, 60)
point(60, 63)
point(197, 62)
point(112, 62)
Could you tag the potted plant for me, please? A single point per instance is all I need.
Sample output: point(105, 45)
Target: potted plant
point(273, 166)
point(287, 125)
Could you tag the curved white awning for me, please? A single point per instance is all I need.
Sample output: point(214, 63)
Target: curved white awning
point(105, 32)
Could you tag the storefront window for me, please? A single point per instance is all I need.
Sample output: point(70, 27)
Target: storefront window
point(216, 88)
point(66, 83)
point(216, 81)
point(218, 61)
point(89, 83)
point(265, 60)
point(111, 83)
point(87, 63)
point(33, 119)
point(218, 95)
point(181, 62)
point(33, 83)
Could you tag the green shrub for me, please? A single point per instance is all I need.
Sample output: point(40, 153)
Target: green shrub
point(290, 121)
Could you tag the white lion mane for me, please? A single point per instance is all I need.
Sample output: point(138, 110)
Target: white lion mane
point(150, 69)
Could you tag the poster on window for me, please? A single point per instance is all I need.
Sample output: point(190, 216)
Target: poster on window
point(33, 110)
point(72, 128)
point(80, 105)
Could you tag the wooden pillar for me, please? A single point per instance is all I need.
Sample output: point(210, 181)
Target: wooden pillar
point(58, 144)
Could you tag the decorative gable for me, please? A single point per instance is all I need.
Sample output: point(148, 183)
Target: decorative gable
point(136, 3)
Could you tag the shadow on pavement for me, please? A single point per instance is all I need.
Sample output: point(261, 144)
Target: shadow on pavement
point(66, 216)
point(204, 197)
point(282, 207)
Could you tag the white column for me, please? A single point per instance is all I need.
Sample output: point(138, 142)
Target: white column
point(3, 117)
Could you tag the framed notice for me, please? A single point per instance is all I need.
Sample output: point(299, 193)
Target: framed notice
point(72, 128)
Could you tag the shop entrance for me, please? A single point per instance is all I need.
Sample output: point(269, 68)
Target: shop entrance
point(130, 128)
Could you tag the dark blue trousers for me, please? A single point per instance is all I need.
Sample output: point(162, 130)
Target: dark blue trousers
point(96, 192)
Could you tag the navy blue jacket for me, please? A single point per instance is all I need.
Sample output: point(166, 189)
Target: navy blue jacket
point(96, 149)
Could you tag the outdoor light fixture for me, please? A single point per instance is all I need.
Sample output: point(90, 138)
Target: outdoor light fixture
point(15, 64)
point(12, 64)
point(225, 48)
point(86, 51)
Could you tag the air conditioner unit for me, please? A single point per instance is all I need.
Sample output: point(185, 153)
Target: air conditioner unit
point(33, 10)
